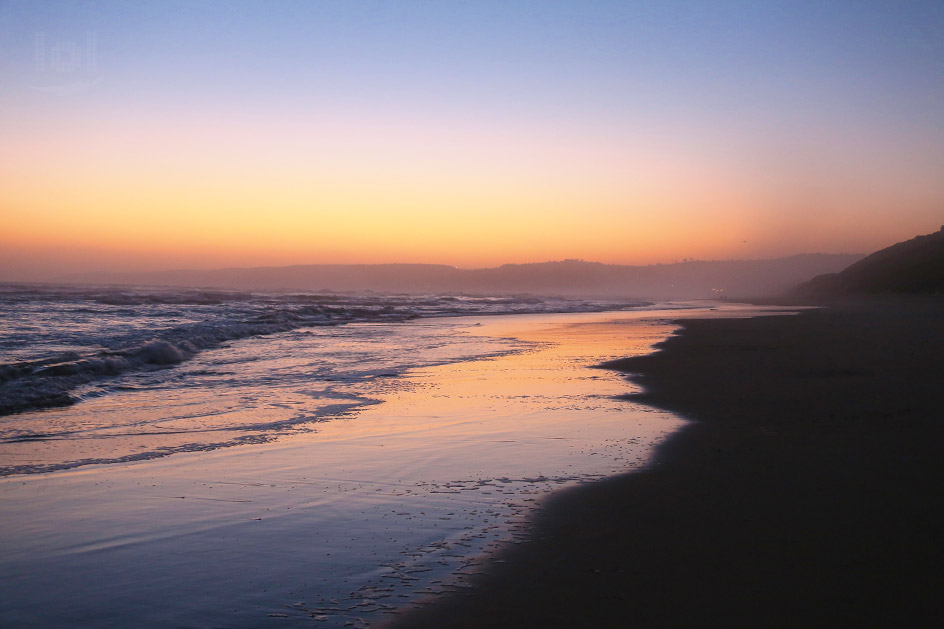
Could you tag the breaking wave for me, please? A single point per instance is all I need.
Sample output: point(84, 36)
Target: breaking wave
point(62, 337)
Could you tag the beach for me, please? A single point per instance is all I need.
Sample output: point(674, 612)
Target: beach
point(390, 479)
point(803, 492)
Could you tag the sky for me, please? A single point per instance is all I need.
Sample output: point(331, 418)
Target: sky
point(158, 135)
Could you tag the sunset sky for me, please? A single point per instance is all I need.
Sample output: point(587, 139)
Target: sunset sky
point(154, 135)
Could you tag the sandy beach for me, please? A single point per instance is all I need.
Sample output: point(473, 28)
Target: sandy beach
point(347, 519)
point(804, 491)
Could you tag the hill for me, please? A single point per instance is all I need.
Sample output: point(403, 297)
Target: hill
point(685, 280)
point(914, 266)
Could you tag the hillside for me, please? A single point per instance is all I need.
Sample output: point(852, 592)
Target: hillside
point(685, 280)
point(914, 266)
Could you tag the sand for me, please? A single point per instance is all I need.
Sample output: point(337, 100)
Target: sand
point(804, 492)
point(351, 520)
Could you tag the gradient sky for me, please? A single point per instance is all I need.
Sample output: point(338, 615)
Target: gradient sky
point(149, 135)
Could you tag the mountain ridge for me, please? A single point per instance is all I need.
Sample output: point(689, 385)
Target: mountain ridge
point(689, 279)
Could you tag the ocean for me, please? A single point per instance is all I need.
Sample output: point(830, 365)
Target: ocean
point(149, 372)
point(178, 457)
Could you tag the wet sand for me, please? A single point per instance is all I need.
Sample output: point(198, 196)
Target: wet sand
point(805, 491)
point(344, 524)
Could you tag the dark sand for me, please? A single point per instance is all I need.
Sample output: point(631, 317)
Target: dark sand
point(804, 493)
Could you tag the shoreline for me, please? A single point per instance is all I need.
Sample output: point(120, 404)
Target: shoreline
point(348, 522)
point(802, 493)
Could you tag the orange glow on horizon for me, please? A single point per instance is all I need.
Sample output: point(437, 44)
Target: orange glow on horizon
point(473, 134)
point(158, 194)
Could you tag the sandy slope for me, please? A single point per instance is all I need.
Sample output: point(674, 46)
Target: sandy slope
point(804, 494)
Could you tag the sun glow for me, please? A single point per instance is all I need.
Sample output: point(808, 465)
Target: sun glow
point(498, 163)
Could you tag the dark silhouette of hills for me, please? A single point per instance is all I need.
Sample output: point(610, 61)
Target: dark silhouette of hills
point(685, 280)
point(914, 266)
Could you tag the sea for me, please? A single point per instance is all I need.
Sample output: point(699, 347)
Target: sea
point(212, 458)
point(230, 367)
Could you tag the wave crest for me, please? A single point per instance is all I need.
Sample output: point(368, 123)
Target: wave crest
point(127, 329)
